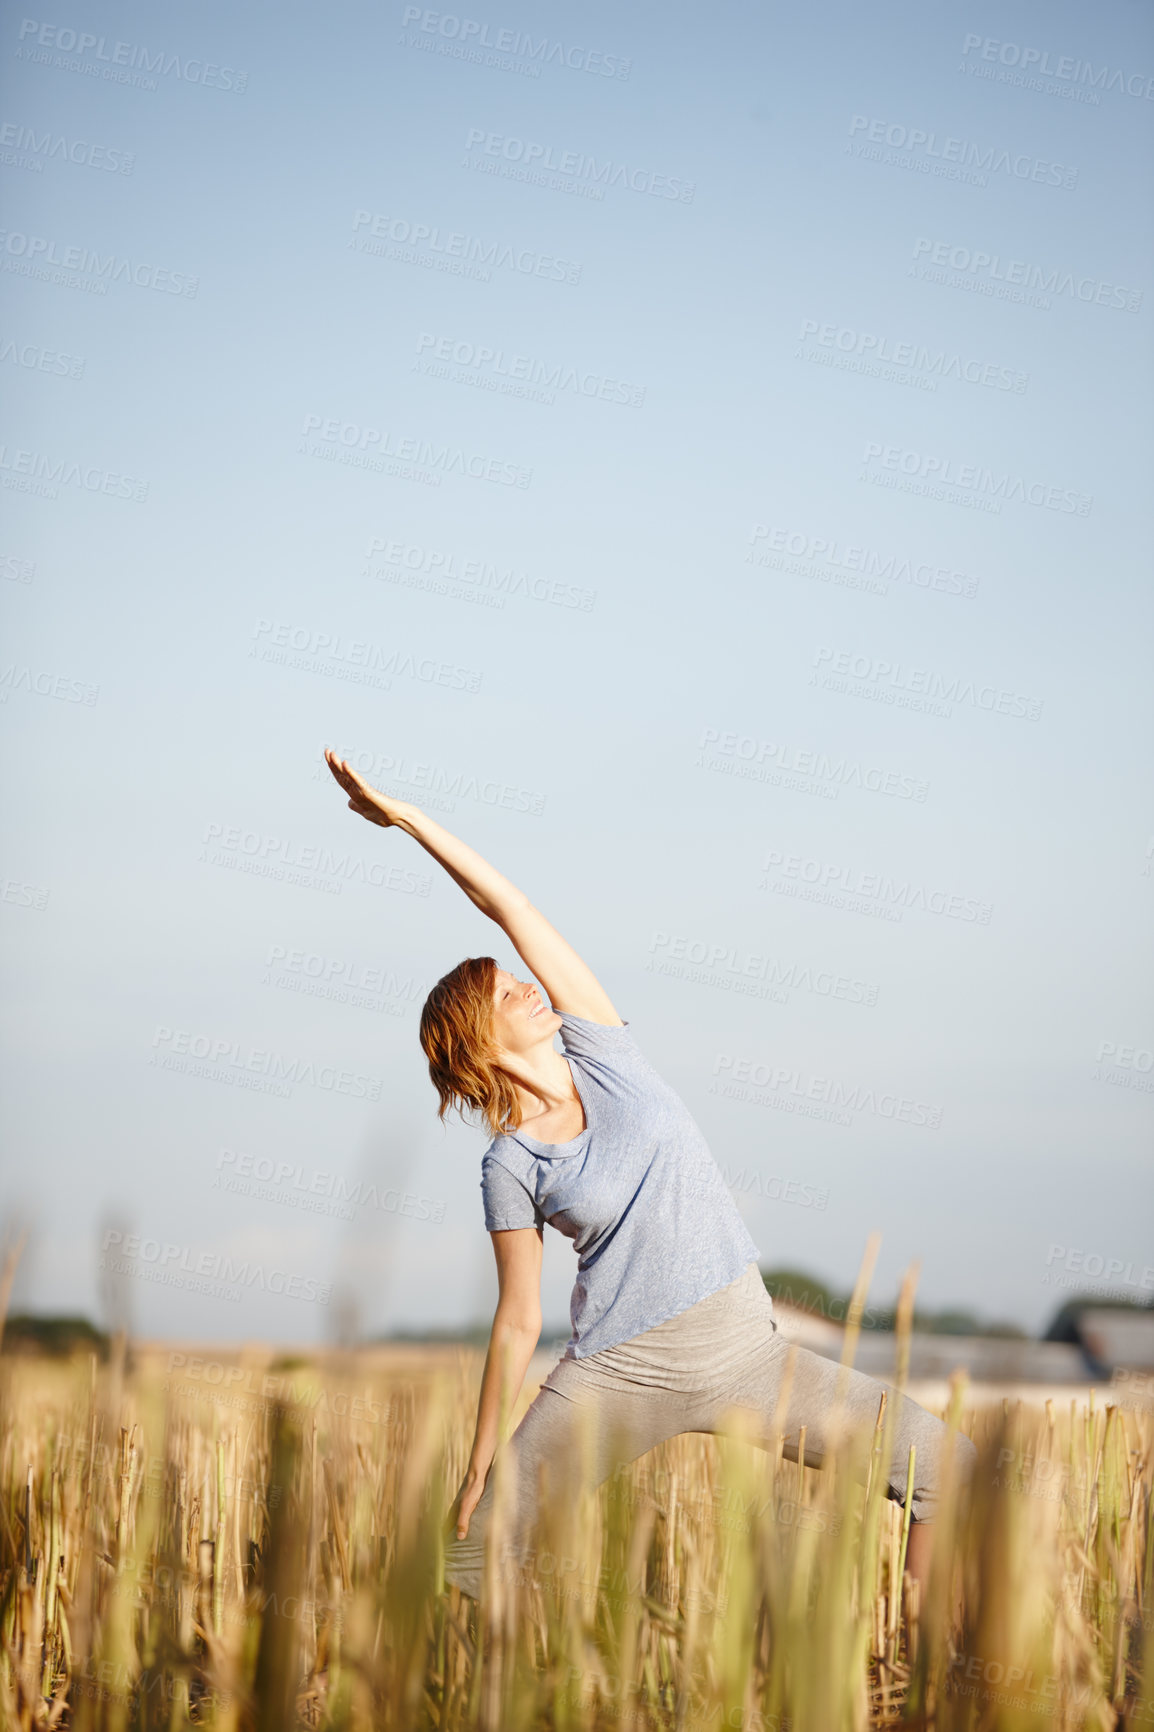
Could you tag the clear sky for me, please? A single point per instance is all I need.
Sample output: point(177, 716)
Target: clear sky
point(702, 455)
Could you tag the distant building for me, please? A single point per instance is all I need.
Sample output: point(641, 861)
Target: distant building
point(1111, 1348)
point(1111, 1339)
point(984, 1358)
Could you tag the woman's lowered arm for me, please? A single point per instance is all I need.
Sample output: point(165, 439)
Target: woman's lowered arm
point(569, 982)
point(512, 1341)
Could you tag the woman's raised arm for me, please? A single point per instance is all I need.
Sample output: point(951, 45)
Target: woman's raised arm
point(569, 982)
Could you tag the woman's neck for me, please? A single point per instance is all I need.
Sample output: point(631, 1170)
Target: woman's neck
point(542, 1080)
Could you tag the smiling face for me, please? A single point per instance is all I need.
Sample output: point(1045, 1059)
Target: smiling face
point(522, 1019)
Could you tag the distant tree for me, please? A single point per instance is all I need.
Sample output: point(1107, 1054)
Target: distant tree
point(949, 1323)
point(59, 1337)
point(470, 1334)
point(808, 1293)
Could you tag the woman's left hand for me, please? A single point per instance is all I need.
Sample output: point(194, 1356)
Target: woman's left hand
point(378, 808)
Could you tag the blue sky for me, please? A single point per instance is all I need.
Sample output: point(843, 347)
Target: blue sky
point(699, 457)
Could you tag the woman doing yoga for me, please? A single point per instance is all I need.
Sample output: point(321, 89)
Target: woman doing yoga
point(672, 1324)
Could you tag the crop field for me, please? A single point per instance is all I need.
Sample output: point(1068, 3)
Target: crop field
point(237, 1542)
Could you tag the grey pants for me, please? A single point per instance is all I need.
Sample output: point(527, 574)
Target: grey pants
point(683, 1375)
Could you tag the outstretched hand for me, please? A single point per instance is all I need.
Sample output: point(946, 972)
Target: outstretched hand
point(368, 802)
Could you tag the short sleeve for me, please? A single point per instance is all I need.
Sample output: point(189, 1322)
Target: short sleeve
point(606, 1050)
point(507, 1201)
point(597, 1039)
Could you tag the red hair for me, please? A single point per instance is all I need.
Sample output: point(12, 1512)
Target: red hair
point(456, 1026)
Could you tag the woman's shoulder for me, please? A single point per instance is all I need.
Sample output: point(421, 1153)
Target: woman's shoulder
point(609, 1048)
point(579, 1034)
point(504, 1151)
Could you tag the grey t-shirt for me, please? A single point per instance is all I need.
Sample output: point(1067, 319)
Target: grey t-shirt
point(638, 1192)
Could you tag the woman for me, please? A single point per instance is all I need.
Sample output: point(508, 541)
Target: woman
point(672, 1323)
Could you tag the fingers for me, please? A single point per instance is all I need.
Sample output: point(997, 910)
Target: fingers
point(353, 784)
point(347, 777)
point(335, 765)
point(363, 799)
point(461, 1525)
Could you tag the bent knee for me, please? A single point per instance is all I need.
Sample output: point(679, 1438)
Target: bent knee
point(929, 1480)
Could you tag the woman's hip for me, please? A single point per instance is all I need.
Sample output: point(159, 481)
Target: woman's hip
point(693, 1353)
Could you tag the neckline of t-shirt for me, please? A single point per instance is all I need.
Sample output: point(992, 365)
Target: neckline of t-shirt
point(558, 1148)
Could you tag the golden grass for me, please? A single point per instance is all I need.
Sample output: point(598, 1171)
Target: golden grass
point(232, 1549)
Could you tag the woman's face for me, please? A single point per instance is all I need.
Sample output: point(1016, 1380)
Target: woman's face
point(522, 1019)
